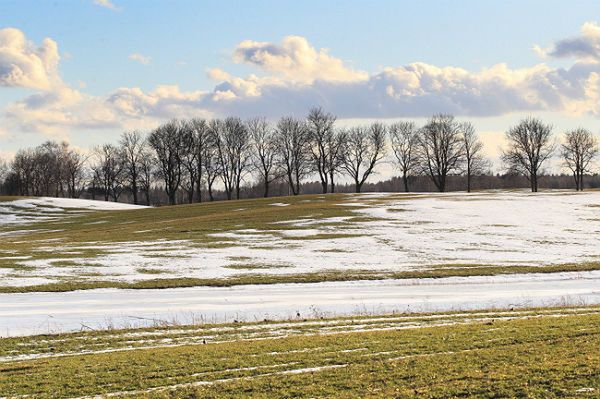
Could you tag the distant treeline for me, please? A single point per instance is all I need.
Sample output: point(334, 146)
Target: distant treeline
point(197, 160)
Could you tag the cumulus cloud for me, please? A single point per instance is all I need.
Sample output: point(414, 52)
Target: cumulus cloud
point(106, 4)
point(59, 112)
point(292, 76)
point(296, 60)
point(586, 46)
point(164, 102)
point(142, 59)
point(23, 64)
point(416, 90)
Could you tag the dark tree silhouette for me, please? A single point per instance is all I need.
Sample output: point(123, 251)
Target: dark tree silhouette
point(365, 147)
point(293, 142)
point(578, 151)
point(403, 139)
point(441, 149)
point(170, 147)
point(529, 146)
point(475, 162)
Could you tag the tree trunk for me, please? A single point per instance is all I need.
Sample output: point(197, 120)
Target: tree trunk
point(266, 193)
point(296, 186)
point(405, 181)
point(134, 192)
point(442, 184)
point(199, 183)
point(332, 183)
point(534, 183)
point(357, 186)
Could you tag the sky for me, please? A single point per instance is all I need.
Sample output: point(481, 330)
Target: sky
point(87, 70)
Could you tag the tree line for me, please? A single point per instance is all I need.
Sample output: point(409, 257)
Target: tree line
point(195, 159)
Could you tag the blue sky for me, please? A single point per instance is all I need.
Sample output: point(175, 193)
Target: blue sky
point(96, 90)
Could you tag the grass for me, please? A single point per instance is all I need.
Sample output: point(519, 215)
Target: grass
point(526, 353)
point(77, 240)
point(313, 277)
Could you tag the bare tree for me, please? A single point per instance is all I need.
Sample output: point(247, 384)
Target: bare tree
point(365, 147)
point(147, 170)
point(47, 171)
point(440, 148)
point(23, 166)
point(132, 145)
point(336, 143)
point(108, 171)
point(264, 148)
point(169, 146)
point(529, 146)
point(201, 136)
point(210, 158)
point(189, 159)
point(293, 150)
point(404, 138)
point(43, 169)
point(475, 161)
point(232, 154)
point(321, 132)
point(74, 168)
point(579, 149)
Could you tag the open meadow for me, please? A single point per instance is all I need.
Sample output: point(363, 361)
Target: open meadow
point(430, 295)
point(280, 199)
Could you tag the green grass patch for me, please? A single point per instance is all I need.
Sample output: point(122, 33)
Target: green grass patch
point(537, 353)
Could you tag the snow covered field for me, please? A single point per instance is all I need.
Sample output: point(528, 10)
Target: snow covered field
point(55, 241)
point(405, 232)
point(42, 312)
point(27, 211)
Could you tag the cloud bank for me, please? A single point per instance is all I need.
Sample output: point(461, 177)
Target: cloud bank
point(292, 76)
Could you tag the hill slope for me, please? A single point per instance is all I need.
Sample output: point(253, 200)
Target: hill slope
point(62, 245)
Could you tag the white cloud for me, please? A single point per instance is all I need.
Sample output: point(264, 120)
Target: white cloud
point(296, 60)
point(106, 4)
point(22, 64)
point(292, 77)
point(58, 113)
point(586, 46)
point(164, 102)
point(142, 59)
point(417, 90)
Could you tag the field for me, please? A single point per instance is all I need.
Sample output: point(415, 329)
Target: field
point(490, 294)
point(49, 247)
point(537, 353)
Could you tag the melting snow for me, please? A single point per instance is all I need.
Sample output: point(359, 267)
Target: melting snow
point(492, 228)
point(43, 312)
